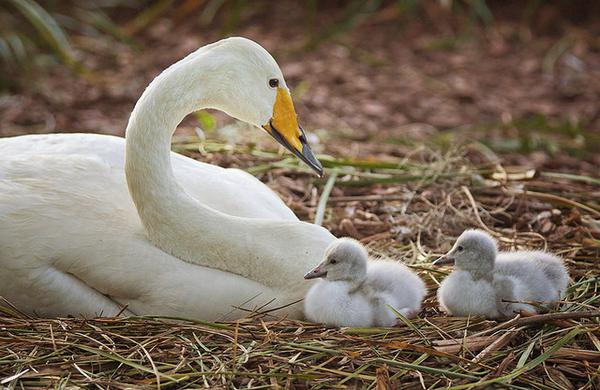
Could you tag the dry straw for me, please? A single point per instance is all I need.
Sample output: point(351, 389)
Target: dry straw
point(411, 208)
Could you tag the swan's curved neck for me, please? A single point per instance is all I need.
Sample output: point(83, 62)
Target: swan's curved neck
point(170, 216)
point(148, 145)
point(184, 227)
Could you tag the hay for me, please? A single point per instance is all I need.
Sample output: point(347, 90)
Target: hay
point(427, 200)
point(541, 352)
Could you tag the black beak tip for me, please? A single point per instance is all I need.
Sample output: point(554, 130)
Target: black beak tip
point(309, 159)
point(317, 167)
point(305, 155)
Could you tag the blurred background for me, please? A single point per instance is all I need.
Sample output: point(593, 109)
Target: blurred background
point(521, 77)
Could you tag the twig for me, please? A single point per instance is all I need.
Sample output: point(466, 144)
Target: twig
point(476, 211)
point(366, 198)
point(555, 198)
point(496, 345)
point(543, 318)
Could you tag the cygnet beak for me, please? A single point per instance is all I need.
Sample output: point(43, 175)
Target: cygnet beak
point(444, 260)
point(317, 272)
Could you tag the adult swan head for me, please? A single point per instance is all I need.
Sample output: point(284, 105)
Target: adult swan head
point(198, 240)
point(239, 77)
point(236, 76)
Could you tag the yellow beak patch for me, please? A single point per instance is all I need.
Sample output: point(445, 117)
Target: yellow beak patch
point(284, 127)
point(285, 120)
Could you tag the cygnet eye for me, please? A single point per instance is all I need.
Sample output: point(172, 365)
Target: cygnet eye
point(273, 83)
point(459, 248)
point(333, 261)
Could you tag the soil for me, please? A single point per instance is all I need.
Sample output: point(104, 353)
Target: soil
point(394, 76)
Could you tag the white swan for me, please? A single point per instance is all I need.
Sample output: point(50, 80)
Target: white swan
point(357, 291)
point(197, 240)
point(485, 281)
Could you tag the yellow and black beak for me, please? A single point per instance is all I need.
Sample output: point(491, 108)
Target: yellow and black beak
point(284, 127)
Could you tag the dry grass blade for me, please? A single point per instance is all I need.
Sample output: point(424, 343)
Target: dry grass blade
point(320, 214)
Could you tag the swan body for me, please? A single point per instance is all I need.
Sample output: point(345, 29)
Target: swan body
point(357, 291)
point(99, 225)
point(97, 156)
point(497, 284)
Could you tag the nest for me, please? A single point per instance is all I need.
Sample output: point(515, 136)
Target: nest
point(410, 206)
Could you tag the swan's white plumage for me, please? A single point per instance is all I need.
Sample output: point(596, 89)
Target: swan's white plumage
point(77, 159)
point(485, 281)
point(72, 241)
point(358, 291)
point(67, 217)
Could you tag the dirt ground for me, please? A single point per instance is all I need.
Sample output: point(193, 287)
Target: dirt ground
point(393, 77)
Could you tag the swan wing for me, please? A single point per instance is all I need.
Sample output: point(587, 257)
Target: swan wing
point(231, 191)
point(71, 241)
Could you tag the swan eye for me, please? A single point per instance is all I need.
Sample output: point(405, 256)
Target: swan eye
point(333, 261)
point(273, 83)
point(459, 248)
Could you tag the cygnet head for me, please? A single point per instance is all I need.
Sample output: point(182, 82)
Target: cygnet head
point(238, 76)
point(474, 251)
point(345, 259)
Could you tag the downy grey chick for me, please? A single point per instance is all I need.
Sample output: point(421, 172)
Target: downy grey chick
point(356, 291)
point(485, 279)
